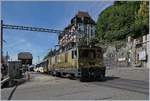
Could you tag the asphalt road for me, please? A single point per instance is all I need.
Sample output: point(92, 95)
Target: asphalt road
point(121, 84)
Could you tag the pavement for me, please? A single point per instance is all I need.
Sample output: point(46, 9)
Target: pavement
point(120, 84)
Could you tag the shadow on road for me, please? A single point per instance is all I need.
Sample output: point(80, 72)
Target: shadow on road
point(107, 78)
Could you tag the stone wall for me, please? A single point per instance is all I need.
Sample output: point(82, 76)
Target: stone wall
point(134, 53)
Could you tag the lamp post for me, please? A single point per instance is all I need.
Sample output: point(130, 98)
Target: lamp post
point(38, 59)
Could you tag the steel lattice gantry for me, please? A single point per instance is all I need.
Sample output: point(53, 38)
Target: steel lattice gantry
point(25, 28)
point(35, 29)
point(15, 27)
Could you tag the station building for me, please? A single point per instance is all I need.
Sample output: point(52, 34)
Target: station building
point(25, 58)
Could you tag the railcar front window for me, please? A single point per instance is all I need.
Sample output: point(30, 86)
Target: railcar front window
point(87, 54)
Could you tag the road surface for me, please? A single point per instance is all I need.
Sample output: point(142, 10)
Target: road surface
point(121, 84)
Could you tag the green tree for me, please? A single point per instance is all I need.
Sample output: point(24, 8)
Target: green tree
point(141, 25)
point(116, 21)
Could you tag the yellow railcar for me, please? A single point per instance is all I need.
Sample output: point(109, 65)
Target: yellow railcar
point(83, 62)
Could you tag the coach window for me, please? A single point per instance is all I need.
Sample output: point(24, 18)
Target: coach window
point(66, 57)
point(75, 53)
point(72, 54)
point(56, 58)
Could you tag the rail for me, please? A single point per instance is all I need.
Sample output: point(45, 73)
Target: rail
point(5, 80)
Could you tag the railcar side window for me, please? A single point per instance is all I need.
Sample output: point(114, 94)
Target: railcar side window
point(74, 54)
point(99, 54)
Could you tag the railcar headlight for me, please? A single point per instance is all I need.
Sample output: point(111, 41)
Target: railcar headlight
point(100, 64)
point(81, 64)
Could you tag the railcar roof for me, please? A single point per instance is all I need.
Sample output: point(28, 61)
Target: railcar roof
point(56, 52)
point(88, 47)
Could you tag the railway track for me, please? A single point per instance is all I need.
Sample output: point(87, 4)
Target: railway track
point(126, 84)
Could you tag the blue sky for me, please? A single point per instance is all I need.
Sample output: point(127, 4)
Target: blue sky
point(46, 14)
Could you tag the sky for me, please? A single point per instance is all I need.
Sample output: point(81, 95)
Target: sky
point(45, 14)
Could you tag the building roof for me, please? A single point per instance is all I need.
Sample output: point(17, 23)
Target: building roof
point(25, 55)
point(82, 14)
point(87, 18)
point(79, 16)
